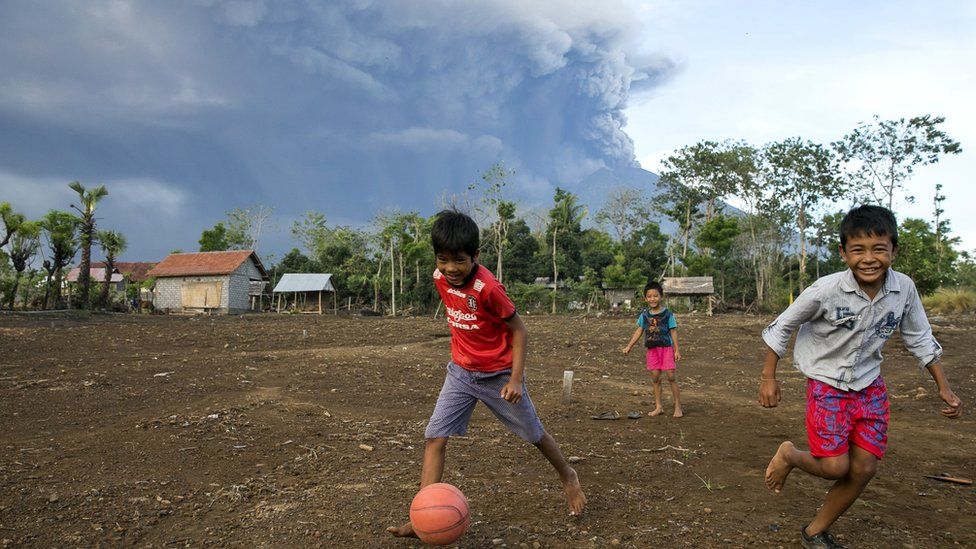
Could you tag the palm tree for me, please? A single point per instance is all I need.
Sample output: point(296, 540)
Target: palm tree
point(59, 228)
point(113, 244)
point(565, 216)
point(89, 199)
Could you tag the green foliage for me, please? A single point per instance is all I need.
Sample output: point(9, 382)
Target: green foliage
point(916, 256)
point(882, 156)
point(951, 300)
point(214, 239)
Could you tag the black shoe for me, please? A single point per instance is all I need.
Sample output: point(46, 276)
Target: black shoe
point(823, 540)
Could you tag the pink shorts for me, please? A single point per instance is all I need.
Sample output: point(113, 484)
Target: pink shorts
point(837, 418)
point(660, 358)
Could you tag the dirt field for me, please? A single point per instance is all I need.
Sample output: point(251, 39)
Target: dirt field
point(306, 431)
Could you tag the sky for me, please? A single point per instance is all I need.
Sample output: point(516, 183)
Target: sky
point(188, 109)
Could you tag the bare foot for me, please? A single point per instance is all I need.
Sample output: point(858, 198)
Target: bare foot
point(574, 493)
point(779, 467)
point(678, 412)
point(656, 412)
point(405, 531)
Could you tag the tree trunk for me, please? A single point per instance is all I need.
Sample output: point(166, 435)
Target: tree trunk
point(84, 276)
point(13, 291)
point(104, 297)
point(687, 230)
point(802, 225)
point(392, 281)
point(555, 272)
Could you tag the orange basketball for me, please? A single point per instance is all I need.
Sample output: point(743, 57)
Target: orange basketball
point(439, 514)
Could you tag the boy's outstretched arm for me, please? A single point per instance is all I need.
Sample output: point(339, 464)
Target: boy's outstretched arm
point(633, 340)
point(954, 409)
point(512, 391)
point(769, 396)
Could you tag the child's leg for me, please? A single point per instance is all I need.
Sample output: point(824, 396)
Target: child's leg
point(676, 393)
point(434, 451)
point(656, 381)
point(787, 457)
point(433, 470)
point(863, 466)
point(567, 475)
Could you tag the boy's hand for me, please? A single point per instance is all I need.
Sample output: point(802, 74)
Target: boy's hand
point(512, 391)
point(955, 405)
point(677, 355)
point(769, 396)
point(625, 350)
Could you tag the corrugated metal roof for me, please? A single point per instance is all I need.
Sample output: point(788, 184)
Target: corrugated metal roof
point(304, 282)
point(688, 285)
point(205, 263)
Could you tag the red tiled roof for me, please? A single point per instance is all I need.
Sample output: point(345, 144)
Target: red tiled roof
point(204, 263)
point(136, 270)
point(97, 274)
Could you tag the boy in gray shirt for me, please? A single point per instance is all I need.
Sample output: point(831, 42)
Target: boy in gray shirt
point(844, 320)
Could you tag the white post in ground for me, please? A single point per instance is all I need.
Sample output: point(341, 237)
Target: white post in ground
point(567, 385)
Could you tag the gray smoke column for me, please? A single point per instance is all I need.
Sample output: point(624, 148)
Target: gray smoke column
point(544, 83)
point(347, 107)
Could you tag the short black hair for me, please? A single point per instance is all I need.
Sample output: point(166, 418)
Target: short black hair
point(454, 232)
point(653, 285)
point(869, 220)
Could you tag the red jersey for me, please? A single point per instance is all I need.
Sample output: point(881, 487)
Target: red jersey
point(476, 312)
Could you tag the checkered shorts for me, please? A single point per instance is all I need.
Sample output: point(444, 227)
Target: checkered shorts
point(464, 388)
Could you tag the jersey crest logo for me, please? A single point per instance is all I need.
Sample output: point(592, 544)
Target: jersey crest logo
point(472, 303)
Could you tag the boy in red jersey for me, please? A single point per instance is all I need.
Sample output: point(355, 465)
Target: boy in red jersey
point(488, 347)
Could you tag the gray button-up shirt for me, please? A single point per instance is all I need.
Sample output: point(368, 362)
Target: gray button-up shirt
point(842, 330)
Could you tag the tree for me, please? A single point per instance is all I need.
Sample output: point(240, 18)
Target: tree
point(245, 225)
point(89, 200)
point(23, 246)
point(625, 210)
point(496, 213)
point(915, 257)
point(311, 231)
point(882, 156)
point(113, 244)
point(718, 236)
point(215, 239)
point(697, 177)
point(60, 230)
point(564, 219)
point(762, 240)
point(802, 176)
point(297, 262)
point(11, 222)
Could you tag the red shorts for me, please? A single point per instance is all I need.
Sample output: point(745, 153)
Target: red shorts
point(836, 418)
point(660, 358)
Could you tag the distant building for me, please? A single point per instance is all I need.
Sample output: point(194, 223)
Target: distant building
point(97, 276)
point(208, 282)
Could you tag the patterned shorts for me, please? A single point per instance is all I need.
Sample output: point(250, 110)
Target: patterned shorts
point(461, 392)
point(836, 418)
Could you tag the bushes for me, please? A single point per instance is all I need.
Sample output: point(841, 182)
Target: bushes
point(951, 300)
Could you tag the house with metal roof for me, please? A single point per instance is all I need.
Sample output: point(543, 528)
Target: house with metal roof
point(300, 287)
point(208, 282)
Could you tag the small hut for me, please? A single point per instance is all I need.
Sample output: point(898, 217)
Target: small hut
point(302, 286)
point(690, 286)
point(209, 282)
